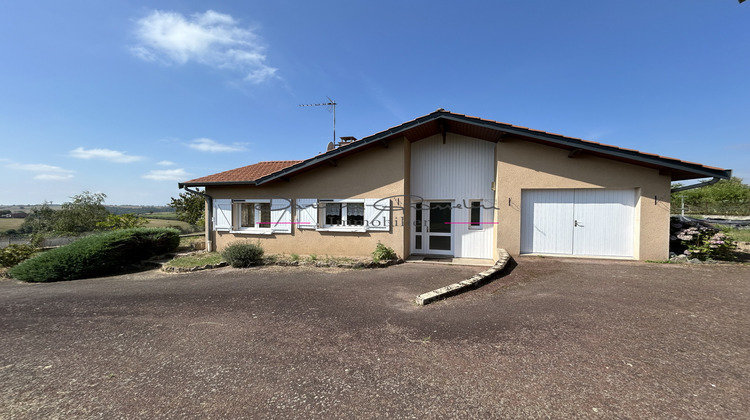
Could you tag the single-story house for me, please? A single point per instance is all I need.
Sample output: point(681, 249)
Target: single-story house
point(447, 184)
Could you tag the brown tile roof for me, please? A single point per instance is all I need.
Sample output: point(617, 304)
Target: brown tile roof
point(246, 173)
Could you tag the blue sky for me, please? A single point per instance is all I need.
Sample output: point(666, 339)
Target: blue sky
point(130, 97)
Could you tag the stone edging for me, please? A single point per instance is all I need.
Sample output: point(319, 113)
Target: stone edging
point(284, 263)
point(462, 286)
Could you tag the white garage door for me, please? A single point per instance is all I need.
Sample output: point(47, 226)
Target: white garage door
point(593, 222)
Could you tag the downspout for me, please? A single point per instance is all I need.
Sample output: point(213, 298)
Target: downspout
point(699, 185)
point(209, 214)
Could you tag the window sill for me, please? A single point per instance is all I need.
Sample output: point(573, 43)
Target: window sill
point(342, 229)
point(253, 232)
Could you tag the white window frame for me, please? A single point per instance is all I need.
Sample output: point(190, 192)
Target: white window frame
point(228, 213)
point(258, 226)
point(310, 215)
point(345, 226)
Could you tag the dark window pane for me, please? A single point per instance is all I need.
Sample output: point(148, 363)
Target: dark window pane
point(440, 243)
point(333, 213)
point(265, 215)
point(247, 215)
point(440, 217)
point(355, 214)
point(418, 242)
point(475, 213)
point(418, 227)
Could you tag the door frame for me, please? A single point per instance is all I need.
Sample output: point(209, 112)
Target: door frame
point(425, 231)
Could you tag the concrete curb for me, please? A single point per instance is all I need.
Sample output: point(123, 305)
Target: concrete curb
point(462, 286)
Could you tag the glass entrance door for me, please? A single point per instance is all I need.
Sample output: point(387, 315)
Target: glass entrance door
point(433, 228)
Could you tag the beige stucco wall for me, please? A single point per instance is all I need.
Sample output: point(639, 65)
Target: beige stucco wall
point(525, 165)
point(384, 172)
point(375, 173)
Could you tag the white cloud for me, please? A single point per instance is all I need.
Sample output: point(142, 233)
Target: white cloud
point(208, 145)
point(167, 175)
point(165, 163)
point(211, 38)
point(44, 172)
point(105, 154)
point(53, 177)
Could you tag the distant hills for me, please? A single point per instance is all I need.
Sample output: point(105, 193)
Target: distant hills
point(26, 208)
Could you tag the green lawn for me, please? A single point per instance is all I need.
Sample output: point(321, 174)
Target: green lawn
point(164, 216)
point(6, 224)
point(182, 226)
point(740, 235)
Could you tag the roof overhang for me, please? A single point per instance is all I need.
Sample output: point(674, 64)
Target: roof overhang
point(441, 122)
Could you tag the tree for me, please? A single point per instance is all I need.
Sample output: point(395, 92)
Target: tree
point(82, 214)
point(122, 221)
point(728, 196)
point(41, 220)
point(190, 208)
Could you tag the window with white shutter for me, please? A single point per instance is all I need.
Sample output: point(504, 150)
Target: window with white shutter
point(222, 214)
point(306, 210)
point(378, 214)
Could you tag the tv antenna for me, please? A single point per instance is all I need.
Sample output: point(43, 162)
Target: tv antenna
point(331, 104)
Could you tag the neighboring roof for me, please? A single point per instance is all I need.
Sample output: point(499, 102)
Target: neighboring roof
point(442, 121)
point(244, 174)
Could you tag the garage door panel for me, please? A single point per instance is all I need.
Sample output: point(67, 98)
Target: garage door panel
point(604, 223)
point(590, 222)
point(547, 229)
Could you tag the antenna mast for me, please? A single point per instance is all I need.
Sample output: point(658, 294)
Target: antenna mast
point(331, 104)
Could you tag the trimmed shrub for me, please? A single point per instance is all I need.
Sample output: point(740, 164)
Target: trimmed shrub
point(240, 254)
point(97, 255)
point(14, 254)
point(383, 253)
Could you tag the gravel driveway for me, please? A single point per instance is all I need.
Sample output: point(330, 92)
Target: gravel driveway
point(556, 338)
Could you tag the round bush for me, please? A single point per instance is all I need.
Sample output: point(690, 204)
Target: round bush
point(240, 254)
point(97, 255)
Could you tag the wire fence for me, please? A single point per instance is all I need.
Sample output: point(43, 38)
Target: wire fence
point(713, 209)
point(7, 240)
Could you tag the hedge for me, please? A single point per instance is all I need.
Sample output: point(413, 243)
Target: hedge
point(97, 255)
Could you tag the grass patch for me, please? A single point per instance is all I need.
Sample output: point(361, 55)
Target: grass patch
point(8, 224)
point(196, 260)
point(183, 227)
point(161, 216)
point(188, 241)
point(740, 235)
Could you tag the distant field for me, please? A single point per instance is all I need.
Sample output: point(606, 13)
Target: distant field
point(6, 224)
point(161, 215)
point(182, 226)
